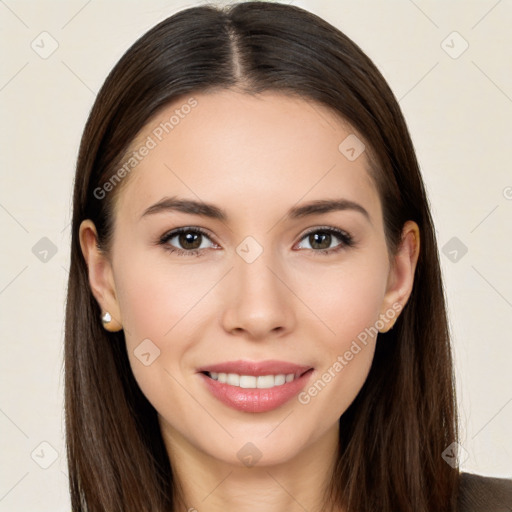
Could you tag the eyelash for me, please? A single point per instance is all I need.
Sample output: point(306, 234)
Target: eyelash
point(346, 240)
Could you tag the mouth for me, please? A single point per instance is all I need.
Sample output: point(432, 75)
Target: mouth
point(255, 386)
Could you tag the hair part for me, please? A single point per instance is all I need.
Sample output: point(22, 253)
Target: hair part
point(393, 434)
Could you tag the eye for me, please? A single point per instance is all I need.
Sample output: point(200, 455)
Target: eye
point(320, 240)
point(190, 238)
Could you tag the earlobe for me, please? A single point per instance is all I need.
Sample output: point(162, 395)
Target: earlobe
point(401, 275)
point(101, 279)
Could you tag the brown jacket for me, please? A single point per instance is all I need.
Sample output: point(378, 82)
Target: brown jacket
point(479, 493)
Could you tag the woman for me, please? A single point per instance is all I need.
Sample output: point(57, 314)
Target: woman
point(255, 315)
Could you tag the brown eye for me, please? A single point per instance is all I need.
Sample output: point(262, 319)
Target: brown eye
point(185, 241)
point(189, 240)
point(321, 240)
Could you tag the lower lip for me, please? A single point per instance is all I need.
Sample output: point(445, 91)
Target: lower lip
point(255, 399)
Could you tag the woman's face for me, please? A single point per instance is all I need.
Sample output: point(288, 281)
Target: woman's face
point(256, 284)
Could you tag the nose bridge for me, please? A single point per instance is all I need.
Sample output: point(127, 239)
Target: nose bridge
point(253, 270)
point(259, 302)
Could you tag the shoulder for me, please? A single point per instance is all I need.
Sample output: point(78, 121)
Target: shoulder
point(479, 493)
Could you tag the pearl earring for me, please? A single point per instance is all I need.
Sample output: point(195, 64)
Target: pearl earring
point(110, 324)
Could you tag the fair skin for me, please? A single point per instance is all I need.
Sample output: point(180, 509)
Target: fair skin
point(255, 158)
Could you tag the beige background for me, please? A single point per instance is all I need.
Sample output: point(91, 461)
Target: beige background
point(459, 111)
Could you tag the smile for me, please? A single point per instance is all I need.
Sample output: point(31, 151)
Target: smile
point(255, 386)
point(251, 381)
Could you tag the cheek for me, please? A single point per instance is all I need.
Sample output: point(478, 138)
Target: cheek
point(161, 305)
point(349, 307)
point(156, 298)
point(348, 301)
point(155, 307)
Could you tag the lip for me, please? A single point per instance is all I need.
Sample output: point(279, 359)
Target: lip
point(255, 399)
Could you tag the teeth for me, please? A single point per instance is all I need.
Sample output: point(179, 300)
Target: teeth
point(246, 381)
point(279, 380)
point(250, 381)
point(233, 379)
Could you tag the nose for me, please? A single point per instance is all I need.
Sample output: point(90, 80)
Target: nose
point(259, 301)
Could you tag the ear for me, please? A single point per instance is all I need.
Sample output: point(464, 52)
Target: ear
point(101, 278)
point(401, 274)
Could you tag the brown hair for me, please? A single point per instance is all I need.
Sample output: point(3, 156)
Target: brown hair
point(393, 434)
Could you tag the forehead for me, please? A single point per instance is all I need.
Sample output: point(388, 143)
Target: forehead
point(244, 152)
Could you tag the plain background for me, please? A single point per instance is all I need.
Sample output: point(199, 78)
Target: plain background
point(458, 107)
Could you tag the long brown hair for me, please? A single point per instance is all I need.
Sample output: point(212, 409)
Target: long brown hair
point(394, 433)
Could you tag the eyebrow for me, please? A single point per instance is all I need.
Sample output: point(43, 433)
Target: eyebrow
point(203, 209)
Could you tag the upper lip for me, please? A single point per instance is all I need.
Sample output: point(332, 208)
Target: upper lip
point(256, 368)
